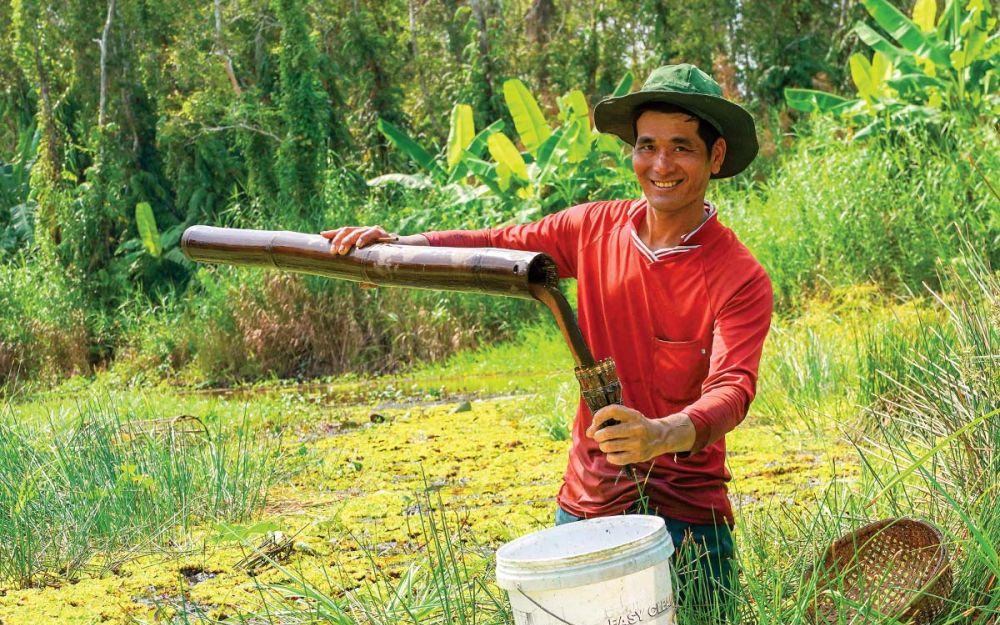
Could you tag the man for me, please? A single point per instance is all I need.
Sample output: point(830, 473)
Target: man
point(672, 296)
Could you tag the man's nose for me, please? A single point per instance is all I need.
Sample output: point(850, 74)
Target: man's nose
point(662, 162)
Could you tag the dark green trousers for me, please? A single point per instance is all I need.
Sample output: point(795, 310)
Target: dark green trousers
point(705, 569)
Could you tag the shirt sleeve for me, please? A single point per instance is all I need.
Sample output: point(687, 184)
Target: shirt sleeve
point(557, 235)
point(738, 339)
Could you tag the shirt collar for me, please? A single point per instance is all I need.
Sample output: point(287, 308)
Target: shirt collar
point(689, 242)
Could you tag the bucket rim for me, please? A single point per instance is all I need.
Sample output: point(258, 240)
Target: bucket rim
point(616, 560)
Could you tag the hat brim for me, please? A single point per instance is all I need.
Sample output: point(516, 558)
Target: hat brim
point(734, 123)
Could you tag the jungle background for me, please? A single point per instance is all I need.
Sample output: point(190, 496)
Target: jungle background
point(160, 417)
point(266, 114)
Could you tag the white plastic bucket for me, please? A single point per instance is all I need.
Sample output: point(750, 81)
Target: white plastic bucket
point(606, 571)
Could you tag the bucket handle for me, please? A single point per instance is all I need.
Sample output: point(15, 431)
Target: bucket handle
point(542, 608)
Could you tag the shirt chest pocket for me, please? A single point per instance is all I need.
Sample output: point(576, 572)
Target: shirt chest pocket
point(679, 368)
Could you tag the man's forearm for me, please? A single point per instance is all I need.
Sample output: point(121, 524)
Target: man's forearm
point(412, 239)
point(677, 434)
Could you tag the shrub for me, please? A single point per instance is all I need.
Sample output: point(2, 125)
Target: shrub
point(73, 498)
point(43, 334)
point(238, 325)
point(840, 213)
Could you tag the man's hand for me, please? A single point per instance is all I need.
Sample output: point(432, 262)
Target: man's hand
point(638, 439)
point(343, 239)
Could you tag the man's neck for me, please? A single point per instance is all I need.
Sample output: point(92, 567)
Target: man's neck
point(663, 230)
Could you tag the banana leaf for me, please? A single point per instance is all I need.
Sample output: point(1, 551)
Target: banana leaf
point(573, 107)
point(904, 31)
point(528, 119)
point(485, 172)
point(461, 134)
point(146, 224)
point(813, 101)
point(505, 153)
point(900, 57)
point(924, 14)
point(475, 149)
point(411, 148)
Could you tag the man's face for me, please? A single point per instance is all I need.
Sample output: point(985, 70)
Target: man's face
point(672, 163)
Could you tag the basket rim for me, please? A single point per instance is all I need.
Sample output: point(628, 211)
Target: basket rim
point(940, 568)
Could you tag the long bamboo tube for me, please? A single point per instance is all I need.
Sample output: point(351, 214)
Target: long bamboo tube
point(512, 273)
point(484, 270)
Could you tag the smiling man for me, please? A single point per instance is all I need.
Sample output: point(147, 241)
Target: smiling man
point(672, 296)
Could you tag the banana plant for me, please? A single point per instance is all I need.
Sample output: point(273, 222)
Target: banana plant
point(442, 167)
point(555, 166)
point(929, 66)
point(15, 194)
point(448, 169)
point(559, 166)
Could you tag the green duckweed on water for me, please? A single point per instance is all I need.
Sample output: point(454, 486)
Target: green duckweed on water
point(351, 504)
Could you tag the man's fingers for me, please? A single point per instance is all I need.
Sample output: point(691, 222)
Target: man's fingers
point(337, 240)
point(621, 459)
point(617, 445)
point(602, 416)
point(370, 235)
point(621, 431)
point(342, 242)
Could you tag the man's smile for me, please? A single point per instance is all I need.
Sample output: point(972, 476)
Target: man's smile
point(665, 184)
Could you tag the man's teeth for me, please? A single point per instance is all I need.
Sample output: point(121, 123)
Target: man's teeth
point(665, 185)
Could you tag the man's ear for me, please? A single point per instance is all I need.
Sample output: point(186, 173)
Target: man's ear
point(718, 154)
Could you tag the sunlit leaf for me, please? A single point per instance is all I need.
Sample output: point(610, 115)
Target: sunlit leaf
point(527, 115)
point(503, 176)
point(881, 67)
point(924, 13)
point(478, 144)
point(574, 107)
point(461, 134)
point(146, 224)
point(474, 150)
point(576, 141)
point(905, 32)
point(505, 153)
point(861, 74)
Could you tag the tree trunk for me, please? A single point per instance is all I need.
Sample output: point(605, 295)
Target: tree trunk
point(414, 53)
point(48, 125)
point(223, 51)
point(537, 22)
point(484, 48)
point(102, 107)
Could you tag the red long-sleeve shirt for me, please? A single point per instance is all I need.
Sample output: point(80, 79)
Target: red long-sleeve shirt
point(685, 327)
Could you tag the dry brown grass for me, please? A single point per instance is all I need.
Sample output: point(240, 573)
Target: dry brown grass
point(48, 353)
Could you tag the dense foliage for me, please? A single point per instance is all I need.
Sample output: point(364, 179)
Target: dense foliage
point(928, 71)
point(120, 127)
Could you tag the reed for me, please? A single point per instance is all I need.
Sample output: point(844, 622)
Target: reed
point(89, 496)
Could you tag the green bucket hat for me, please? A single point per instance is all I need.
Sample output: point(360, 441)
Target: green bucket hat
point(690, 88)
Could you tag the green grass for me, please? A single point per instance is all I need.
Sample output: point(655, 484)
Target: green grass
point(89, 494)
point(839, 213)
point(926, 437)
point(817, 361)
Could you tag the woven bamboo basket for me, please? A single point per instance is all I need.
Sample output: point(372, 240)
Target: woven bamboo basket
point(894, 568)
